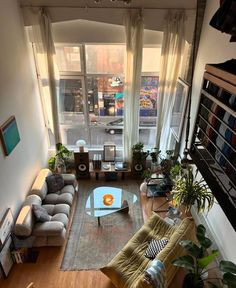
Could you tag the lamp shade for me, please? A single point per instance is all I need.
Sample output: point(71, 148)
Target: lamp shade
point(81, 143)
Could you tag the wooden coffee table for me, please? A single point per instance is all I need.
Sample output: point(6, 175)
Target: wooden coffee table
point(103, 201)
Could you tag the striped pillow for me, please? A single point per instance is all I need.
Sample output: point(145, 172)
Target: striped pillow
point(154, 247)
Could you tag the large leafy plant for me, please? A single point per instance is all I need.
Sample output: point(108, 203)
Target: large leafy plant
point(62, 154)
point(197, 260)
point(189, 191)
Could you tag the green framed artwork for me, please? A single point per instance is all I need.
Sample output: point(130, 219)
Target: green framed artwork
point(9, 135)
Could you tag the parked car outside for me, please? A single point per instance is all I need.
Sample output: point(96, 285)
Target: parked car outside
point(118, 123)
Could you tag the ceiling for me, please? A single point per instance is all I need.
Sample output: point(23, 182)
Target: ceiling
point(146, 4)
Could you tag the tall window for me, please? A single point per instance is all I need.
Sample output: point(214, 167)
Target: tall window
point(91, 101)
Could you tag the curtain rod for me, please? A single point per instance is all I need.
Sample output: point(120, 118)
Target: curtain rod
point(89, 7)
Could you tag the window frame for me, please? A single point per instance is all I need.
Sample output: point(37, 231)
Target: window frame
point(83, 75)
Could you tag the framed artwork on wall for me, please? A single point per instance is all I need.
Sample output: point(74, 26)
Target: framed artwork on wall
point(109, 152)
point(6, 226)
point(6, 261)
point(9, 135)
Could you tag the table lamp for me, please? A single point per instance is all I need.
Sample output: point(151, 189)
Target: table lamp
point(81, 143)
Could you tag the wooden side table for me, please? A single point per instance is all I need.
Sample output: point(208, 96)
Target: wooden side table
point(108, 167)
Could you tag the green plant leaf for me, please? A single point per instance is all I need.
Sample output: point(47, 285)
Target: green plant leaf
point(191, 247)
point(204, 241)
point(51, 163)
point(229, 279)
point(227, 266)
point(203, 262)
point(186, 262)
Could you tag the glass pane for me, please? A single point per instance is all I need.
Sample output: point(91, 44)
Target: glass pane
point(105, 96)
point(148, 96)
point(105, 99)
point(104, 59)
point(100, 135)
point(72, 134)
point(68, 58)
point(71, 111)
point(151, 59)
point(148, 137)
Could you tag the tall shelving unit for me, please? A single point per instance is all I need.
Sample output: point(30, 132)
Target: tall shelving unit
point(213, 147)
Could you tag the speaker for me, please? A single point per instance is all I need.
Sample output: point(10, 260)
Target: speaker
point(138, 164)
point(82, 164)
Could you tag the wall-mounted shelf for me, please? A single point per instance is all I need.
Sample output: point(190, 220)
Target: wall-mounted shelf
point(213, 147)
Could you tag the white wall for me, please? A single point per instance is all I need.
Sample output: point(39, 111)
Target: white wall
point(19, 97)
point(153, 19)
point(84, 31)
point(214, 48)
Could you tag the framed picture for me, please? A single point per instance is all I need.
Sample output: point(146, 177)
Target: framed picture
point(6, 261)
point(109, 152)
point(179, 108)
point(6, 226)
point(9, 135)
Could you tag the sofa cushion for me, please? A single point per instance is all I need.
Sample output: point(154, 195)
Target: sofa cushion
point(69, 179)
point(41, 213)
point(48, 228)
point(60, 217)
point(40, 186)
point(154, 247)
point(32, 199)
point(54, 198)
point(58, 208)
point(24, 223)
point(55, 182)
point(68, 189)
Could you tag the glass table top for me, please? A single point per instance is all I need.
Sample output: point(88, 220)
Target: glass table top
point(107, 200)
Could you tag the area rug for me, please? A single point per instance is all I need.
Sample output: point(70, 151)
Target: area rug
point(90, 246)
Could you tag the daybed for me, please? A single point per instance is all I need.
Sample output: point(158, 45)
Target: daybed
point(51, 232)
point(127, 268)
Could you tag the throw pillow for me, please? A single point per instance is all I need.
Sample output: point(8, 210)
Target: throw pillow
point(154, 247)
point(41, 213)
point(55, 182)
point(155, 275)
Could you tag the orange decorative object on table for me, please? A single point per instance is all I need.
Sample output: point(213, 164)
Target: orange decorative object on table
point(108, 199)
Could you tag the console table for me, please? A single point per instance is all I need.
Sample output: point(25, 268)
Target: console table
point(108, 167)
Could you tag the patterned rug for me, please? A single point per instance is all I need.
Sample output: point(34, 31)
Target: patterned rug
point(90, 246)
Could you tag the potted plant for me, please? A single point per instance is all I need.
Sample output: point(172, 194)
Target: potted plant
point(197, 260)
point(167, 162)
point(188, 191)
point(59, 161)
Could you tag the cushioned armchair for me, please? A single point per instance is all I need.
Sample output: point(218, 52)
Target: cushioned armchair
point(57, 205)
point(127, 268)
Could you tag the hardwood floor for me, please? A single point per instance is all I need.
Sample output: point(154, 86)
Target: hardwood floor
point(45, 273)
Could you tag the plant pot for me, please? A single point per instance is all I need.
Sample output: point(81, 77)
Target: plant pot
point(193, 281)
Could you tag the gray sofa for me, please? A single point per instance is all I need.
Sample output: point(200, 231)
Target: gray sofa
point(58, 206)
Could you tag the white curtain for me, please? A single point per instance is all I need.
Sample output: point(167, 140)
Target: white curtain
point(133, 66)
point(48, 74)
point(171, 56)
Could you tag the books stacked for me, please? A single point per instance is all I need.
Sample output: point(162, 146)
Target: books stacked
point(97, 161)
point(20, 255)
